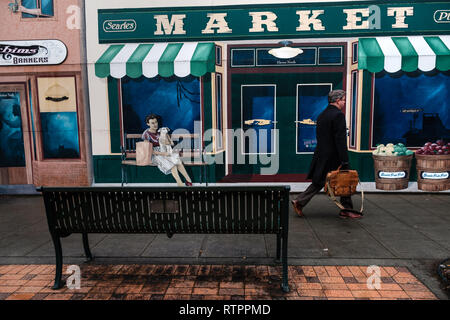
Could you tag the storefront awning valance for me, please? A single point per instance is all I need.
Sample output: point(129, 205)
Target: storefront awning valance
point(150, 60)
point(404, 53)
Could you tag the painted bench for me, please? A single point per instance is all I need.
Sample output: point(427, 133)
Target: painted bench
point(190, 157)
point(170, 210)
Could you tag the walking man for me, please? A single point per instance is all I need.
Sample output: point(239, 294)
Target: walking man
point(330, 153)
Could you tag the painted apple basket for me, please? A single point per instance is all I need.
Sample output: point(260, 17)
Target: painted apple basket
point(392, 172)
point(433, 172)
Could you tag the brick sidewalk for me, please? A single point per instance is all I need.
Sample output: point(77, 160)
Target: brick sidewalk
point(210, 282)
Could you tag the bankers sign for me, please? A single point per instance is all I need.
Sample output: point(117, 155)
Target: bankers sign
point(33, 52)
point(273, 21)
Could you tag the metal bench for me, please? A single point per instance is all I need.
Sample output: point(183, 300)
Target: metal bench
point(170, 210)
point(191, 157)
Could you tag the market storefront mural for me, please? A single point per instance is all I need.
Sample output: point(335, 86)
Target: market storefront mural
point(205, 69)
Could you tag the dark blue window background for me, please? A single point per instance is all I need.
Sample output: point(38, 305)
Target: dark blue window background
point(243, 57)
point(312, 100)
point(308, 57)
point(411, 108)
point(176, 100)
point(330, 55)
point(60, 135)
point(258, 103)
point(46, 7)
point(12, 152)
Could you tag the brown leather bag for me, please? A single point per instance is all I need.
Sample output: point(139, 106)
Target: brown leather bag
point(342, 183)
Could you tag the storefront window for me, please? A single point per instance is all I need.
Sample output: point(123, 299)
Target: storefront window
point(354, 104)
point(330, 56)
point(58, 115)
point(258, 118)
point(11, 136)
point(354, 52)
point(312, 99)
point(46, 7)
point(243, 57)
point(411, 108)
point(176, 100)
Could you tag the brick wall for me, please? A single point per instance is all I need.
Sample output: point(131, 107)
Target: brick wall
point(64, 174)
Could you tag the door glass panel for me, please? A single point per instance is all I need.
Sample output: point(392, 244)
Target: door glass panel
point(11, 137)
point(258, 118)
point(312, 99)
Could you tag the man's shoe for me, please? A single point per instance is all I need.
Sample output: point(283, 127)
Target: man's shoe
point(348, 214)
point(297, 208)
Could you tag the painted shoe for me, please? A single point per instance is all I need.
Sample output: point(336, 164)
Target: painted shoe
point(187, 183)
point(297, 208)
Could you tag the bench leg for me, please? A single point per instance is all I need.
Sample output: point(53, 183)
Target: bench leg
point(87, 251)
point(59, 283)
point(284, 283)
point(278, 248)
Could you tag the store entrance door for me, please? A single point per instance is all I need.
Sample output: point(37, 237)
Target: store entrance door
point(287, 103)
point(15, 154)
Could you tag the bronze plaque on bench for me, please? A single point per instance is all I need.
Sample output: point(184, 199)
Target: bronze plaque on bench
point(164, 206)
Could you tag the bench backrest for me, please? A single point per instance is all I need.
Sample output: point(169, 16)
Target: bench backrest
point(167, 210)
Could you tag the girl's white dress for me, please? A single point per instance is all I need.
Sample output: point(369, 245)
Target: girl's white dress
point(164, 163)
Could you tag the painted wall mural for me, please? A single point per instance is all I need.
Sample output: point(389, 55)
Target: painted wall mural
point(58, 114)
point(11, 137)
point(411, 108)
point(176, 100)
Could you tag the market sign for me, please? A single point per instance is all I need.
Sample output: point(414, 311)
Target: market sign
point(33, 52)
point(273, 21)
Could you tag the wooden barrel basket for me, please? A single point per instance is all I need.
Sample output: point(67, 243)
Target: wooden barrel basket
point(433, 172)
point(392, 172)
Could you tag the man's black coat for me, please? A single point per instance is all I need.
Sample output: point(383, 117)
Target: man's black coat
point(331, 150)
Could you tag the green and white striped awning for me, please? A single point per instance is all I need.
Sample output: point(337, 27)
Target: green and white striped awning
point(404, 53)
point(150, 60)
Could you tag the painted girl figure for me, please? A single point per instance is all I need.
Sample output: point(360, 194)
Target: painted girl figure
point(163, 156)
